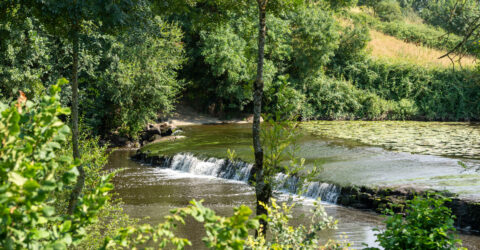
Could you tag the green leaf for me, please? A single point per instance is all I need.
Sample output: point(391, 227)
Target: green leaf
point(16, 178)
point(31, 185)
point(48, 211)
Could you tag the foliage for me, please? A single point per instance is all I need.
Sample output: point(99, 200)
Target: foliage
point(223, 58)
point(23, 49)
point(282, 235)
point(428, 224)
point(125, 78)
point(111, 219)
point(417, 33)
point(437, 94)
point(352, 46)
point(280, 148)
point(452, 15)
point(143, 83)
point(31, 136)
point(328, 98)
point(388, 10)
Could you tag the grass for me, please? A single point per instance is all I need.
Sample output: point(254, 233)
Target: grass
point(389, 48)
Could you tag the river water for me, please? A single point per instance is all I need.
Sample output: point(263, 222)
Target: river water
point(344, 162)
point(153, 191)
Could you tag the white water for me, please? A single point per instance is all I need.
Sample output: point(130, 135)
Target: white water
point(240, 171)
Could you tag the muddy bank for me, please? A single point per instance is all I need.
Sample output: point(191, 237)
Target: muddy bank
point(467, 211)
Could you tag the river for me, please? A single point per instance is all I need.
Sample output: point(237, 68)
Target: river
point(153, 191)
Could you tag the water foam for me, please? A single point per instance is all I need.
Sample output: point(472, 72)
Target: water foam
point(240, 171)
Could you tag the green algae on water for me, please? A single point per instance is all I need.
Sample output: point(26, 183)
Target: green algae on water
point(452, 139)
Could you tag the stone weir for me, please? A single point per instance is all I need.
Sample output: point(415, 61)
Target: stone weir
point(467, 212)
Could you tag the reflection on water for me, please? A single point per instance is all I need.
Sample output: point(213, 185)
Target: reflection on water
point(152, 192)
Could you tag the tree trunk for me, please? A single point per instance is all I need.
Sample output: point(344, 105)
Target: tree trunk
point(77, 190)
point(262, 189)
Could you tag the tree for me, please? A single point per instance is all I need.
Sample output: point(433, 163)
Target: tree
point(460, 17)
point(263, 190)
point(69, 19)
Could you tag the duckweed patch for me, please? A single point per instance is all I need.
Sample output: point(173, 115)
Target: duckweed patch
point(453, 139)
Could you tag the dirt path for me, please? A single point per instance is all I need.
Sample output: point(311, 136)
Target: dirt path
point(186, 116)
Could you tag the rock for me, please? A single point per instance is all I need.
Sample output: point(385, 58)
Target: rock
point(250, 118)
point(154, 138)
point(155, 131)
point(177, 132)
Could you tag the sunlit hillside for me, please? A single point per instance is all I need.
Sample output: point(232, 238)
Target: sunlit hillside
point(390, 48)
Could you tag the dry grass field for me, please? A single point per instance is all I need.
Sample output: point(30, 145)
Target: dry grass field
point(389, 48)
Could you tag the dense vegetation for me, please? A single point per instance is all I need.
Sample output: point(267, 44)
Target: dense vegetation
point(127, 78)
point(130, 61)
point(37, 173)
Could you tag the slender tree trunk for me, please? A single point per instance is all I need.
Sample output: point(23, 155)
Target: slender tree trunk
point(77, 190)
point(262, 189)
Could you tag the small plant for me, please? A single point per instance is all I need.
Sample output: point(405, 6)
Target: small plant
point(282, 235)
point(428, 224)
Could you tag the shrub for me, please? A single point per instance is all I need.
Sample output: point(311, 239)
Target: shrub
point(388, 10)
point(281, 98)
point(404, 109)
point(281, 235)
point(428, 224)
point(33, 170)
point(328, 98)
point(438, 94)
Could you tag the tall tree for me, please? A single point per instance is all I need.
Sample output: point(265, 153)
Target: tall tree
point(263, 189)
point(69, 20)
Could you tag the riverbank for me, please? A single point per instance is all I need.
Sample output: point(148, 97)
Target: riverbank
point(376, 199)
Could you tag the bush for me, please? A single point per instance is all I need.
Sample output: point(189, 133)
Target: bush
point(281, 235)
point(328, 98)
point(428, 224)
point(33, 170)
point(405, 109)
point(433, 94)
point(388, 10)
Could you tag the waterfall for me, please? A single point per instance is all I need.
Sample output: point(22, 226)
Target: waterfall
point(220, 168)
point(325, 191)
point(240, 171)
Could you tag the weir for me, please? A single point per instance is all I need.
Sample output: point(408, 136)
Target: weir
point(467, 212)
point(240, 171)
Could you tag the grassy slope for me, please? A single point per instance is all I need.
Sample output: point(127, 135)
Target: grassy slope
point(390, 48)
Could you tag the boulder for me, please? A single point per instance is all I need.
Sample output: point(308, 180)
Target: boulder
point(250, 118)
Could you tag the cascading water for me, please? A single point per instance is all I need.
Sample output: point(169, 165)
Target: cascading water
point(240, 171)
point(220, 168)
